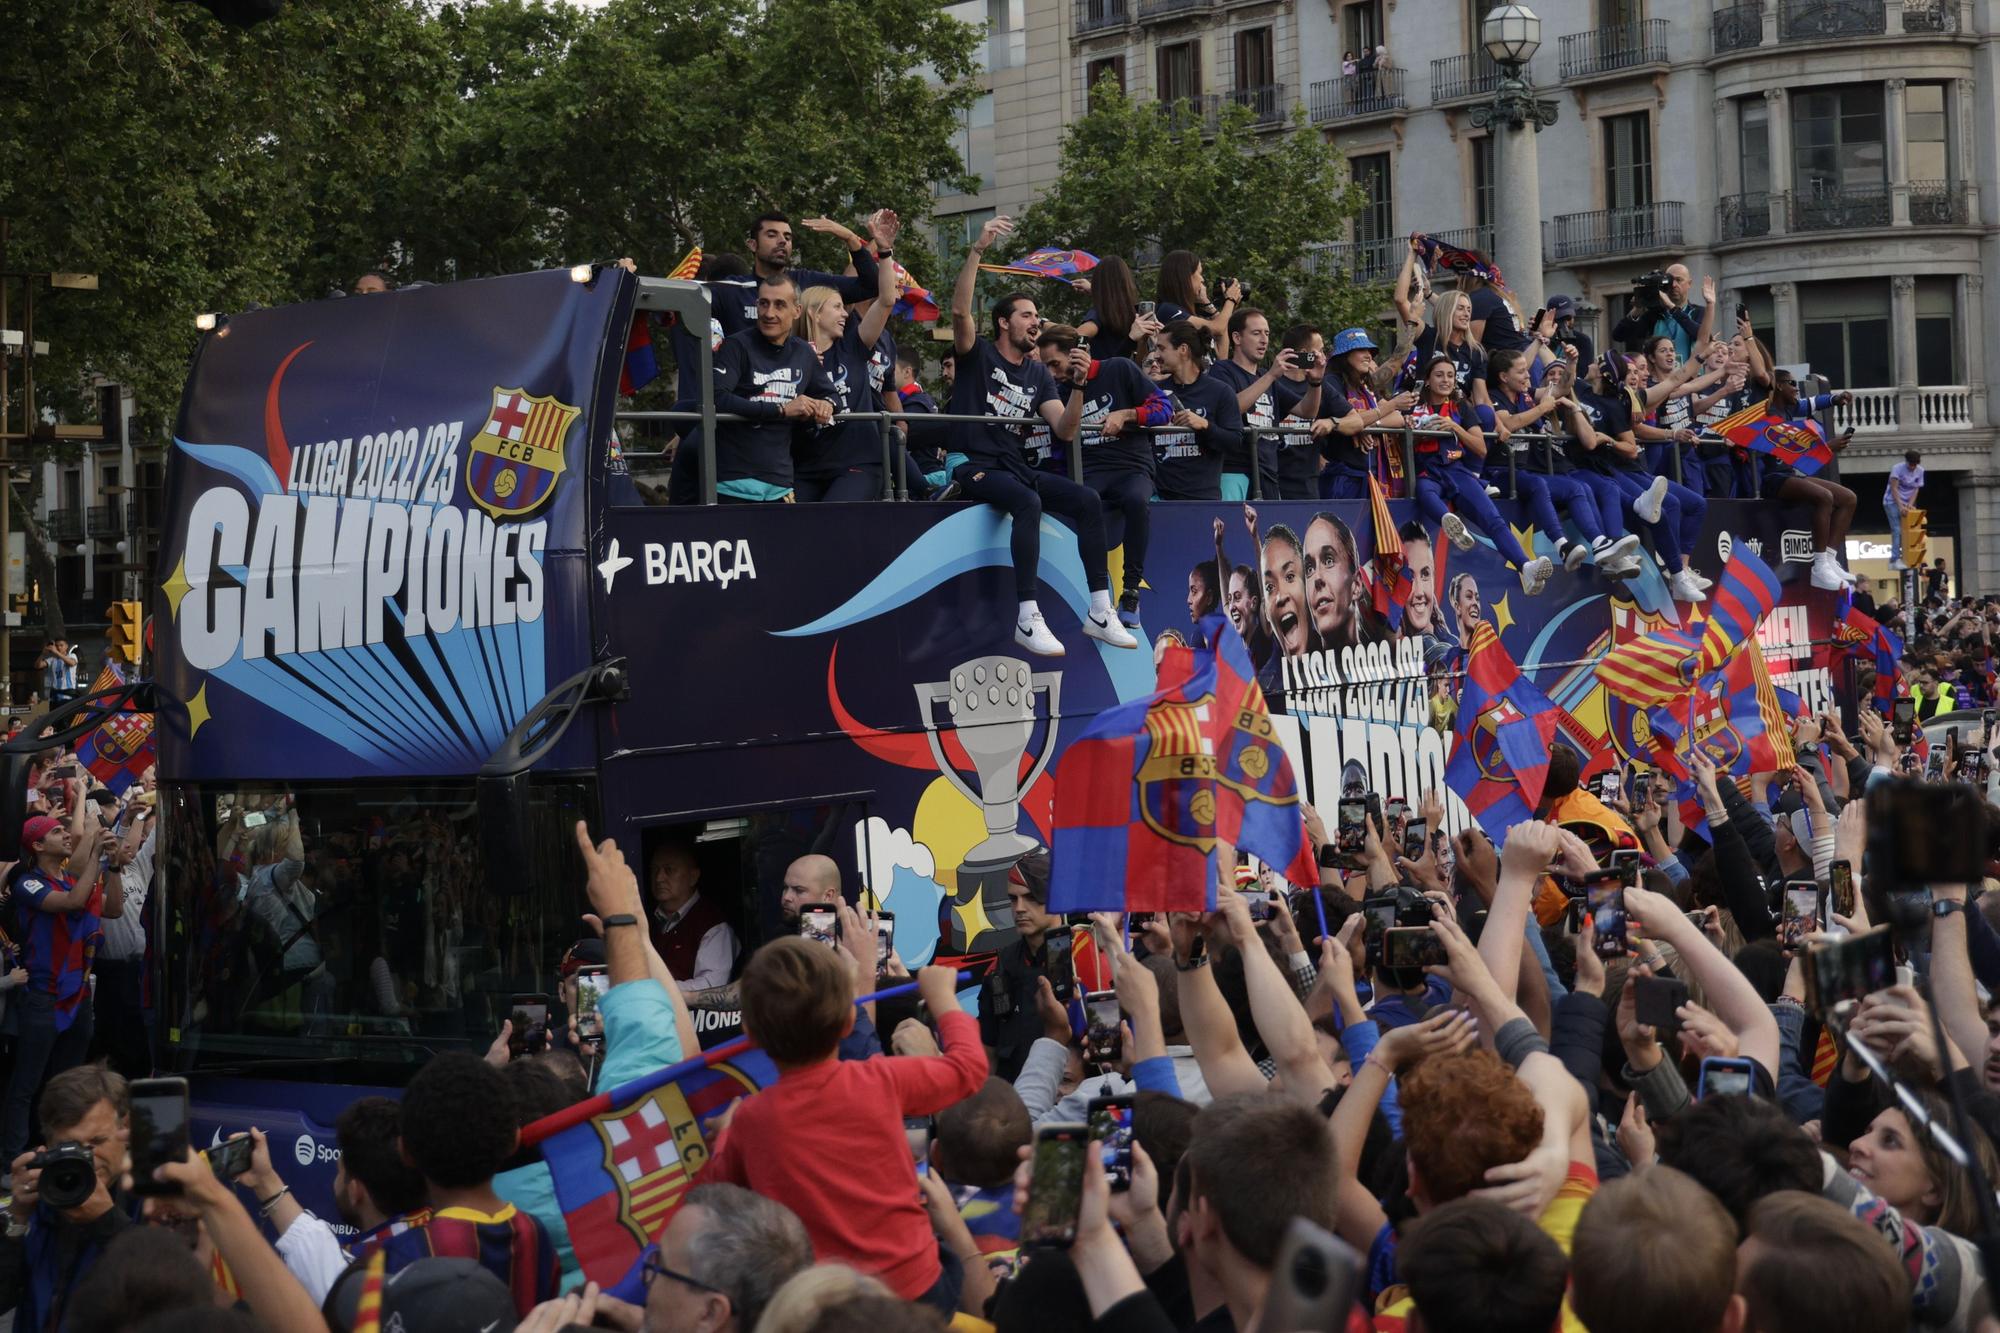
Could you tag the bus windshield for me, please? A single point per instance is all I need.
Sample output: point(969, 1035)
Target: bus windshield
point(351, 921)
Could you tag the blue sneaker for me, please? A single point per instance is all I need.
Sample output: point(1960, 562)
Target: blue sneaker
point(1128, 610)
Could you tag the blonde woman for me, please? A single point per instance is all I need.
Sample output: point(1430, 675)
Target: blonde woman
point(843, 461)
point(1448, 329)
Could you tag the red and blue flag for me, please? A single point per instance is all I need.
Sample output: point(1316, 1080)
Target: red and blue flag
point(1500, 754)
point(1741, 599)
point(621, 1174)
point(1798, 442)
point(1458, 259)
point(1257, 794)
point(912, 301)
point(1048, 263)
point(642, 361)
point(121, 748)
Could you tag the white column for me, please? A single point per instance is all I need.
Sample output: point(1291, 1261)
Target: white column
point(1785, 315)
point(1903, 348)
point(1969, 321)
point(1781, 155)
point(1728, 162)
point(1517, 229)
point(1899, 149)
point(1978, 517)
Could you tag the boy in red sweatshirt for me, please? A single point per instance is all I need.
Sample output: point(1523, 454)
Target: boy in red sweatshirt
point(827, 1140)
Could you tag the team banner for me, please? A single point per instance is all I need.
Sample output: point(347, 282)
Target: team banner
point(372, 564)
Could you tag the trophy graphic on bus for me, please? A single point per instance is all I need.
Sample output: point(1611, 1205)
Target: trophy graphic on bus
point(991, 705)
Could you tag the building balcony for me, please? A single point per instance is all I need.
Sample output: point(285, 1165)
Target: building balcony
point(1265, 102)
point(1353, 97)
point(1155, 11)
point(1645, 229)
point(1940, 204)
point(1459, 78)
point(1096, 16)
point(103, 522)
point(1740, 27)
point(1928, 407)
point(1620, 48)
point(1823, 20)
point(1743, 217)
point(1839, 208)
point(64, 525)
point(1737, 28)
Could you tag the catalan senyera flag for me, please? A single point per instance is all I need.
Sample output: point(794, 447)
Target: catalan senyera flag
point(1741, 598)
point(689, 266)
point(1390, 587)
point(1653, 669)
point(620, 1175)
point(1798, 442)
point(1500, 751)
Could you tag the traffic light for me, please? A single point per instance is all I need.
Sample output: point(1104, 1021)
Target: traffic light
point(1915, 535)
point(128, 622)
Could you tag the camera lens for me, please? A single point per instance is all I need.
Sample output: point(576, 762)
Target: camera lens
point(1310, 1277)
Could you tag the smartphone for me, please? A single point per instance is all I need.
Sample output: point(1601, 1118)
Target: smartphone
point(1987, 717)
point(231, 1157)
point(1656, 1000)
point(591, 984)
point(1352, 834)
point(530, 1017)
point(1100, 1027)
point(1902, 720)
point(820, 925)
point(1416, 839)
point(885, 940)
point(1625, 860)
point(159, 1125)
point(1380, 919)
point(1146, 308)
point(1263, 903)
point(1397, 810)
point(1843, 970)
point(1314, 1281)
point(1610, 787)
point(256, 819)
point(1111, 1131)
point(1917, 835)
point(1059, 967)
point(1722, 1076)
point(1307, 360)
point(1055, 1186)
point(1801, 912)
point(1840, 881)
point(1604, 896)
point(1535, 321)
point(1412, 946)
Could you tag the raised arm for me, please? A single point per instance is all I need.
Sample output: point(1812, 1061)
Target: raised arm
point(1274, 1007)
point(885, 225)
point(1408, 305)
point(1730, 995)
point(1211, 1030)
point(1531, 846)
point(964, 324)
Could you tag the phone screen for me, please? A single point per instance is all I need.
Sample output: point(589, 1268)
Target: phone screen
point(1801, 915)
point(1100, 1032)
point(1416, 836)
point(820, 925)
point(1380, 918)
point(1724, 1078)
point(231, 1157)
point(1060, 965)
point(885, 939)
point(1625, 861)
point(1261, 902)
point(530, 1016)
point(1609, 788)
point(1055, 1185)
point(1902, 717)
point(1412, 946)
point(159, 1123)
point(1848, 969)
point(591, 985)
point(1111, 1130)
point(1353, 834)
point(1397, 810)
point(1842, 884)
point(1604, 895)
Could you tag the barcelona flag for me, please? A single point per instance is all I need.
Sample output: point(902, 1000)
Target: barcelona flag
point(1458, 259)
point(120, 749)
point(642, 362)
point(1741, 599)
point(1257, 796)
point(1652, 669)
point(1799, 443)
point(1390, 588)
point(1048, 263)
point(1500, 753)
point(912, 301)
point(620, 1175)
point(1735, 716)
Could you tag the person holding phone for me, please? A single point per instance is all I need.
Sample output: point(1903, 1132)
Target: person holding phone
point(1009, 1020)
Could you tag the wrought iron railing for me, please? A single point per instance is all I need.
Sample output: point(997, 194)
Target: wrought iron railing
point(64, 525)
point(1939, 204)
point(1737, 28)
point(1266, 103)
point(1355, 95)
point(1931, 16)
point(1101, 15)
point(1159, 9)
point(1742, 217)
point(1614, 47)
point(1821, 20)
point(102, 522)
point(1838, 207)
point(1643, 229)
point(1471, 75)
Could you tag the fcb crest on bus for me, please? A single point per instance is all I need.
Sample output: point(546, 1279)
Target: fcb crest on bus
point(517, 456)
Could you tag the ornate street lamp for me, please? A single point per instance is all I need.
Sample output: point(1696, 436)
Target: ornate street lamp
point(1511, 35)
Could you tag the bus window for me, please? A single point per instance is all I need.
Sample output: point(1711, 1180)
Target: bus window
point(351, 922)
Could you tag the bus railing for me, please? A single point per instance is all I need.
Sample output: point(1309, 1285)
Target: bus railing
point(895, 446)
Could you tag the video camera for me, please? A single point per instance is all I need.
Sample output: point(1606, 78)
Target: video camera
point(1653, 289)
point(69, 1174)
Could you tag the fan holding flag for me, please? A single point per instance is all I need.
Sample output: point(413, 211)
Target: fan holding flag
point(1794, 447)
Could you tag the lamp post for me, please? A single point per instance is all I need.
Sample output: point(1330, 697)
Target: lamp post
point(1511, 35)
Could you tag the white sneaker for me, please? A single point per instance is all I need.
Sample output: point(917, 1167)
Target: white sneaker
point(1106, 629)
point(1033, 634)
point(1573, 555)
point(1684, 588)
point(1625, 548)
point(1492, 492)
point(1454, 528)
point(1845, 575)
point(1620, 567)
point(1535, 574)
point(1648, 506)
point(1827, 573)
point(1700, 581)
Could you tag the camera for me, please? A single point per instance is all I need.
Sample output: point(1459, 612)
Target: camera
point(69, 1174)
point(1307, 360)
point(1242, 287)
point(1653, 288)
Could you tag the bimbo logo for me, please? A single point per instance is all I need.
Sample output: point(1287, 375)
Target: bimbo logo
point(1797, 546)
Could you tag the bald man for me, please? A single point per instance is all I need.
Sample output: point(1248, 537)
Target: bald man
point(811, 880)
point(696, 943)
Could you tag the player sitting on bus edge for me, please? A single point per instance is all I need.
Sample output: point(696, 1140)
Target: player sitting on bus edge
point(1002, 378)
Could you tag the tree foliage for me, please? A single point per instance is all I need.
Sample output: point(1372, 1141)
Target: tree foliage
point(198, 167)
point(1138, 179)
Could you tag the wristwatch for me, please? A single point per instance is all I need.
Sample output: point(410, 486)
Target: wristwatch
point(1946, 906)
point(622, 919)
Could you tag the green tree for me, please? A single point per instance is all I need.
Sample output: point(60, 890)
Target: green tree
point(1138, 179)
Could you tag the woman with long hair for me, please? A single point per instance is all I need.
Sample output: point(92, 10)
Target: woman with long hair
point(1542, 477)
point(1900, 1165)
point(1446, 324)
point(1350, 415)
point(1336, 592)
point(1183, 294)
point(1447, 474)
point(1113, 325)
point(1670, 428)
point(843, 461)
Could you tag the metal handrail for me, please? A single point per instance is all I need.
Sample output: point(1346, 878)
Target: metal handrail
point(895, 448)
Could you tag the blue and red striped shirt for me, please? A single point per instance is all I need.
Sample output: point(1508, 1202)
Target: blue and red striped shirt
point(57, 947)
point(509, 1244)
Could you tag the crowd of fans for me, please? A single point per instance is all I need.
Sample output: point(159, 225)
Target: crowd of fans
point(1493, 1102)
point(1183, 397)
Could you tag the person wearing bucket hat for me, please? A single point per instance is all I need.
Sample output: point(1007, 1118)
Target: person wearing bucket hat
point(1445, 477)
point(1350, 415)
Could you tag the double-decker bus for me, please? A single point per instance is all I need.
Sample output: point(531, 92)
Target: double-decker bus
point(412, 621)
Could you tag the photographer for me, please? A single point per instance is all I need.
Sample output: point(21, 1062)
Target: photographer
point(1659, 305)
point(64, 1213)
